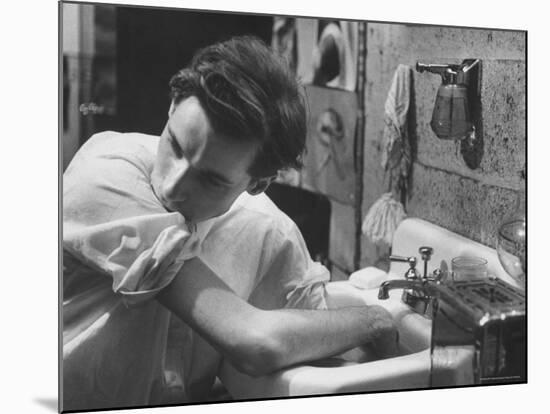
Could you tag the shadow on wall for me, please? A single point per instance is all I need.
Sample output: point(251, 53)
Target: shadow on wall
point(49, 403)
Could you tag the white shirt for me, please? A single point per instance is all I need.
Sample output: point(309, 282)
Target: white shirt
point(121, 247)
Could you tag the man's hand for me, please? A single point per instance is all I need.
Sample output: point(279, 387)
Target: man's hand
point(385, 337)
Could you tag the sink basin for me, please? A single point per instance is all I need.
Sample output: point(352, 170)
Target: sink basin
point(340, 374)
point(411, 368)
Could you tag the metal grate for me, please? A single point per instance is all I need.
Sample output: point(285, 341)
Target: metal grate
point(493, 297)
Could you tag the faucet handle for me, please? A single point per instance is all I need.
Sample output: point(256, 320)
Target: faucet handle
point(426, 252)
point(410, 260)
point(437, 276)
point(411, 273)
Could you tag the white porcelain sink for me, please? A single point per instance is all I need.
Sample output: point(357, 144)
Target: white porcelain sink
point(411, 369)
point(340, 374)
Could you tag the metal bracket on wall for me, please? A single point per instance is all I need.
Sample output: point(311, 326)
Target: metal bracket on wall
point(472, 146)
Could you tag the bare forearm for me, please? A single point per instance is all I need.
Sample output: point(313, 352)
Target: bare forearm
point(309, 335)
point(259, 341)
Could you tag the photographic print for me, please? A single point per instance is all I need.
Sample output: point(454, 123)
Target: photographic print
point(266, 206)
point(329, 161)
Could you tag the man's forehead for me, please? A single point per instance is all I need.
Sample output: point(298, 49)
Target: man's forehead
point(188, 120)
point(216, 151)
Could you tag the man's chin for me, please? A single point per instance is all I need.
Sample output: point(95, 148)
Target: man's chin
point(189, 216)
point(193, 216)
point(173, 209)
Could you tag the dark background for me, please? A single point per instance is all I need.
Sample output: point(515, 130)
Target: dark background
point(153, 44)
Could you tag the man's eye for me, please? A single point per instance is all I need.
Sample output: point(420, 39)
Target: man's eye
point(211, 181)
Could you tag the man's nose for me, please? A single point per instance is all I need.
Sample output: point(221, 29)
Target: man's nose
point(174, 183)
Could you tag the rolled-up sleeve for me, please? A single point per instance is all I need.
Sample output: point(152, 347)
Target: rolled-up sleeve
point(291, 279)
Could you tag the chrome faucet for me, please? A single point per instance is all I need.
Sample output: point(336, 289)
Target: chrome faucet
point(418, 286)
point(418, 290)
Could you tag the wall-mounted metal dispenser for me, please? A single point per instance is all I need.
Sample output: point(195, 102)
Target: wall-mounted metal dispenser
point(451, 118)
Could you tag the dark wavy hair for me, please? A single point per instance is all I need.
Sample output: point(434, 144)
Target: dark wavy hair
point(249, 92)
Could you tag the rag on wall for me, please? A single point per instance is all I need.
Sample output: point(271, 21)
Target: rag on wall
point(382, 220)
point(396, 148)
point(387, 212)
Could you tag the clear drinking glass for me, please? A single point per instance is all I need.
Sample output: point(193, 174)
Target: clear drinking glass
point(466, 268)
point(512, 238)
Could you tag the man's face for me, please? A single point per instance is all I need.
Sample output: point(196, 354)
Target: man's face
point(199, 172)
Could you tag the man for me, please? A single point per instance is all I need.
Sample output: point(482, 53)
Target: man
point(181, 218)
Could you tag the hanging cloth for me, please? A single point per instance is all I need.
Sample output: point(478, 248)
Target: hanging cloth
point(387, 212)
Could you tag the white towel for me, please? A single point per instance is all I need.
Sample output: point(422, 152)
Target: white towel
point(142, 254)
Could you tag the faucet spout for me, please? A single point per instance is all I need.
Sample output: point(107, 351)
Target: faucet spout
point(419, 285)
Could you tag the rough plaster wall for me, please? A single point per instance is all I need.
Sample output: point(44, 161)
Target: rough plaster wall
point(342, 237)
point(444, 190)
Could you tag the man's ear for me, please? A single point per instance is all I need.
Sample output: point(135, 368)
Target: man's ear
point(259, 185)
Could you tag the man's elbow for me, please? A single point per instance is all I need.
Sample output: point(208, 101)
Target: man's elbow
point(262, 353)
